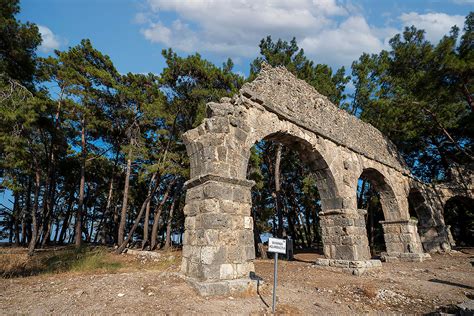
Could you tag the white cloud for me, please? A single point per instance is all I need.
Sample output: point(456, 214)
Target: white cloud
point(49, 40)
point(158, 33)
point(435, 24)
point(346, 42)
point(329, 32)
point(234, 28)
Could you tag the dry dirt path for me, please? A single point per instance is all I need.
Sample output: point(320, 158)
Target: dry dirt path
point(398, 287)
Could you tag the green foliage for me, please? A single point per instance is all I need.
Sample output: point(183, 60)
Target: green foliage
point(189, 83)
point(418, 95)
point(18, 43)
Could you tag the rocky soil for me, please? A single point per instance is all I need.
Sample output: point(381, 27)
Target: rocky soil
point(435, 285)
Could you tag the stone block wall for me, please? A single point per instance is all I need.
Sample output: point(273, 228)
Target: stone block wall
point(344, 234)
point(401, 236)
point(437, 239)
point(218, 238)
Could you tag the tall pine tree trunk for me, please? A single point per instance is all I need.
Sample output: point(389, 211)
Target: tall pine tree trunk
point(174, 204)
point(278, 205)
point(78, 236)
point(105, 229)
point(146, 223)
point(56, 232)
point(157, 214)
point(34, 212)
point(123, 214)
point(16, 218)
point(140, 214)
point(67, 216)
point(27, 236)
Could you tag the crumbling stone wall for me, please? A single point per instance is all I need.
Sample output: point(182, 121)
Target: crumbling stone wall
point(428, 202)
point(218, 240)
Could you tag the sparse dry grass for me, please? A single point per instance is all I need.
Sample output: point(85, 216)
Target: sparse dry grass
point(17, 263)
point(14, 262)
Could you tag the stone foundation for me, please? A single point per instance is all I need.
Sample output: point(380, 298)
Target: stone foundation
point(402, 256)
point(225, 287)
point(355, 267)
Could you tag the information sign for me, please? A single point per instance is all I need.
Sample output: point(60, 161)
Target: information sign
point(277, 245)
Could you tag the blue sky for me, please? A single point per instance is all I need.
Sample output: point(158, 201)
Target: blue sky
point(133, 32)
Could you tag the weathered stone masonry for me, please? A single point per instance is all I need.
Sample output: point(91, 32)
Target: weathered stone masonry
point(218, 241)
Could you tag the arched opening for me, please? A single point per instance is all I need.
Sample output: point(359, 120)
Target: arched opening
point(459, 214)
point(293, 184)
point(375, 196)
point(420, 211)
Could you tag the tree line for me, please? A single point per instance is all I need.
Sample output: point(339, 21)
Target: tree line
point(92, 155)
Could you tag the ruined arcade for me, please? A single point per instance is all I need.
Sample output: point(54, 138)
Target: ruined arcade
point(218, 248)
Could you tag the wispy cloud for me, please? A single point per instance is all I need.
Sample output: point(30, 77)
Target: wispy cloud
point(50, 41)
point(435, 24)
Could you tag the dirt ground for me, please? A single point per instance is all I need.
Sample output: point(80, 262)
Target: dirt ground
point(412, 288)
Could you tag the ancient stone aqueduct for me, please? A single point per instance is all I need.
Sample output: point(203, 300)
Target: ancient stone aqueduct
point(218, 249)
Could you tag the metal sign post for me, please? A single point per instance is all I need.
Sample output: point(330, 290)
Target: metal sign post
point(275, 276)
point(276, 246)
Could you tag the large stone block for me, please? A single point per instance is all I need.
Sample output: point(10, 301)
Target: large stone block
point(217, 125)
point(209, 206)
point(190, 223)
point(193, 194)
point(230, 207)
point(192, 208)
point(345, 252)
point(207, 237)
point(242, 194)
point(248, 222)
point(227, 271)
point(217, 190)
point(215, 220)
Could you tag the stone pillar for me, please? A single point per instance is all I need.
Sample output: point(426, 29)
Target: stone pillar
point(402, 241)
point(345, 241)
point(218, 245)
point(344, 235)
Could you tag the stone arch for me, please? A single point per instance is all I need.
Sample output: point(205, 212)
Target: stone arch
point(388, 199)
point(342, 235)
point(218, 245)
point(419, 207)
point(400, 232)
point(312, 156)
